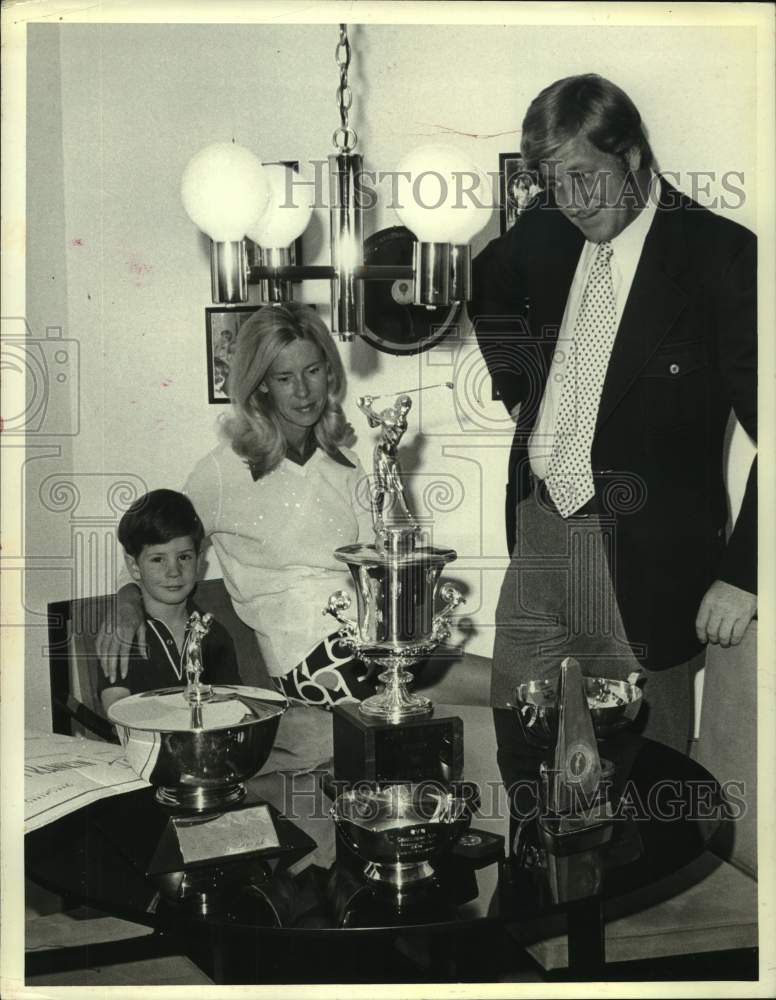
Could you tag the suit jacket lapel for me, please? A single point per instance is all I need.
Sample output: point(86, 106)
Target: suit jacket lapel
point(654, 303)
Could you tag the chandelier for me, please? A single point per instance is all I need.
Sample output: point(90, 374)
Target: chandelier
point(253, 213)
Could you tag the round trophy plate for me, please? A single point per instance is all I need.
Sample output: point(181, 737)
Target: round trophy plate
point(392, 322)
point(167, 710)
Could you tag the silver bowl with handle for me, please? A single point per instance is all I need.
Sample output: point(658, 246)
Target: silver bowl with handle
point(400, 830)
point(613, 705)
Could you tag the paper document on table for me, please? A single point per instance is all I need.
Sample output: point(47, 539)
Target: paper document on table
point(65, 773)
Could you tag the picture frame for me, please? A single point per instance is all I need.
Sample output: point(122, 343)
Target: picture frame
point(222, 324)
point(517, 187)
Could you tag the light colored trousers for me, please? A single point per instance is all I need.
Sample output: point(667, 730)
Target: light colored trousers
point(557, 600)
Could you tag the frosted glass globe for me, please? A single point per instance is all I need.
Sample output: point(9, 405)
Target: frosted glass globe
point(440, 200)
point(466, 222)
point(224, 190)
point(289, 208)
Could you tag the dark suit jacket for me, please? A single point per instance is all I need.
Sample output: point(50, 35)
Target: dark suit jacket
point(685, 352)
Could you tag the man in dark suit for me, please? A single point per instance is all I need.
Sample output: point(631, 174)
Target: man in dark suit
point(618, 322)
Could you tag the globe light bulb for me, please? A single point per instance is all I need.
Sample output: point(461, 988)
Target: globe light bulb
point(288, 211)
point(224, 190)
point(477, 210)
point(446, 198)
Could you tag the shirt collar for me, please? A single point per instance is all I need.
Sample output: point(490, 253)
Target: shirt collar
point(630, 241)
point(191, 607)
point(311, 446)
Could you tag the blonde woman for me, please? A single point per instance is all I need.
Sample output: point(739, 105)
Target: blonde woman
point(276, 497)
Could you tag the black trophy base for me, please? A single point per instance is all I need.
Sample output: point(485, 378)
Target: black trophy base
point(413, 750)
point(563, 835)
point(155, 841)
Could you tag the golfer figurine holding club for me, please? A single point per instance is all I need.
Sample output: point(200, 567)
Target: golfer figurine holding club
point(387, 474)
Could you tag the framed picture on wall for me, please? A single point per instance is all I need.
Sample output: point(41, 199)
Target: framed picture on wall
point(221, 327)
point(517, 186)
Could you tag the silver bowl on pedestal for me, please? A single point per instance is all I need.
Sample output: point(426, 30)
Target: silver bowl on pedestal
point(198, 751)
point(613, 705)
point(399, 831)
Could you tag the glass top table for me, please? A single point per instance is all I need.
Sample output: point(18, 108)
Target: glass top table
point(229, 913)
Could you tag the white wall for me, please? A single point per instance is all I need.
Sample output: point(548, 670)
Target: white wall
point(115, 113)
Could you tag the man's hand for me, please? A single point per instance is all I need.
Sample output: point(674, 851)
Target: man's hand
point(122, 625)
point(724, 614)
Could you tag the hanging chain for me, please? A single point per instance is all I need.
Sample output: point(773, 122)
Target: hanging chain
point(342, 57)
point(344, 137)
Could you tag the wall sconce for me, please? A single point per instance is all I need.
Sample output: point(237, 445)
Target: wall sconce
point(223, 190)
point(231, 196)
point(443, 222)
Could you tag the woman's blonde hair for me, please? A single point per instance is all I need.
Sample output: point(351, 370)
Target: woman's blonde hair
point(253, 427)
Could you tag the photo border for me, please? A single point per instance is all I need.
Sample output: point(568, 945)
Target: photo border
point(211, 312)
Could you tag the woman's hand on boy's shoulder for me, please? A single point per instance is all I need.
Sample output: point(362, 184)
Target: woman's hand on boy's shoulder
point(122, 627)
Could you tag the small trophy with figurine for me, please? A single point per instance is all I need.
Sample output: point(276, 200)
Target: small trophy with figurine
point(200, 744)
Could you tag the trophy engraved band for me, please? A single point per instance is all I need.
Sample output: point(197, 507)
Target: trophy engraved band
point(395, 579)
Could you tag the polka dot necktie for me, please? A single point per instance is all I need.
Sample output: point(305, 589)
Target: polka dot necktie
point(569, 472)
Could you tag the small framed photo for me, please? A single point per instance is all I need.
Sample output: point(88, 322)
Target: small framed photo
point(517, 187)
point(222, 326)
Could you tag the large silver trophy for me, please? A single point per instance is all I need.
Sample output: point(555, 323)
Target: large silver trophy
point(396, 580)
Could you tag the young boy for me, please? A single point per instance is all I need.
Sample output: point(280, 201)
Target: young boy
point(161, 536)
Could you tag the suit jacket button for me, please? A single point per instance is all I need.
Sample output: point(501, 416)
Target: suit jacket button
point(674, 369)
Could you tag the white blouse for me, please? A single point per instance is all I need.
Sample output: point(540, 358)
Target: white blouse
point(275, 537)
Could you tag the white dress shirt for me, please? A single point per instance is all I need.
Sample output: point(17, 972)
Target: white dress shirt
point(627, 248)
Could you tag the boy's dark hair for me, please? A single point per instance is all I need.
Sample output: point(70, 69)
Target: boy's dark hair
point(157, 518)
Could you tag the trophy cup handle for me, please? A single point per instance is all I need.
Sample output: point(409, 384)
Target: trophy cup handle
point(529, 715)
point(452, 598)
point(339, 601)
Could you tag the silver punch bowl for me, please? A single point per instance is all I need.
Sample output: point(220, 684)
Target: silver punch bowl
point(398, 831)
point(613, 705)
point(198, 754)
